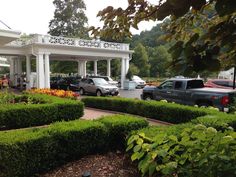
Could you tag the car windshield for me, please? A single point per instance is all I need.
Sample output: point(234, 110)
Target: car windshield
point(100, 81)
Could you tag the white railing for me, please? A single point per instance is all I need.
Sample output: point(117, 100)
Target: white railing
point(55, 40)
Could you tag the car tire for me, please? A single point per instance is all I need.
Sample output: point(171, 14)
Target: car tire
point(148, 97)
point(99, 93)
point(81, 91)
point(203, 105)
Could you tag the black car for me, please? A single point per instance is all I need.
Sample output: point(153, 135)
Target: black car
point(66, 83)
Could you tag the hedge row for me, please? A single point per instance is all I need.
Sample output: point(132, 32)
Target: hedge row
point(35, 150)
point(168, 112)
point(49, 109)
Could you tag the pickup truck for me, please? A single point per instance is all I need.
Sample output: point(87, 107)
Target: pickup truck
point(190, 92)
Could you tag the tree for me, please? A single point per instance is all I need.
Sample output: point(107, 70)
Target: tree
point(69, 19)
point(217, 42)
point(159, 61)
point(140, 60)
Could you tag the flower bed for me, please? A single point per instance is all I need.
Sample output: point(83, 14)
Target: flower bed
point(54, 92)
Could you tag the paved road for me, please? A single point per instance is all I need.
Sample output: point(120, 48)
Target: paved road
point(131, 93)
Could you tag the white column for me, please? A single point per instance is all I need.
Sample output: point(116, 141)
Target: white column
point(47, 70)
point(40, 70)
point(12, 71)
point(84, 68)
point(122, 79)
point(95, 67)
point(126, 65)
point(19, 65)
point(79, 68)
point(109, 67)
point(28, 72)
point(15, 63)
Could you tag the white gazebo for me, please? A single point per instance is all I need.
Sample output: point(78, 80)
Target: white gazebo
point(46, 48)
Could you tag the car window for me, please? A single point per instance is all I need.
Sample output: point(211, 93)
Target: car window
point(167, 85)
point(178, 85)
point(100, 81)
point(195, 84)
point(90, 81)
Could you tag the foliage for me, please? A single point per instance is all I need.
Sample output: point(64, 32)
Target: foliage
point(34, 150)
point(168, 112)
point(59, 93)
point(69, 19)
point(207, 35)
point(140, 60)
point(159, 60)
point(129, 75)
point(197, 151)
point(43, 109)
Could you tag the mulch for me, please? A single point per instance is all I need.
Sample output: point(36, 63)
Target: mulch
point(112, 164)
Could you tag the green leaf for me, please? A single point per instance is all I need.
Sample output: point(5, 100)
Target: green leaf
point(173, 138)
point(137, 148)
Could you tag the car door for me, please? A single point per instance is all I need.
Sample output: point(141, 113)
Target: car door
point(91, 88)
point(164, 91)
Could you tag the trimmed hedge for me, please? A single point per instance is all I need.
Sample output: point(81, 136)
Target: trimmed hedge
point(168, 112)
point(50, 109)
point(219, 121)
point(29, 151)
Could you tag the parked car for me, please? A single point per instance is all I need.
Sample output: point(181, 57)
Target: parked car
point(140, 83)
point(190, 92)
point(97, 86)
point(107, 78)
point(219, 83)
point(66, 83)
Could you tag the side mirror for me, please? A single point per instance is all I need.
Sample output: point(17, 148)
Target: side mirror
point(159, 87)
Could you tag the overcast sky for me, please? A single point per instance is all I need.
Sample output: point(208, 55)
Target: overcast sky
point(33, 16)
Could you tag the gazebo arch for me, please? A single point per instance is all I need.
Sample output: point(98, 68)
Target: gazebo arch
point(46, 48)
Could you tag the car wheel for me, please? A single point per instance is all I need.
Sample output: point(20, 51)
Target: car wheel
point(203, 105)
point(99, 93)
point(148, 97)
point(81, 91)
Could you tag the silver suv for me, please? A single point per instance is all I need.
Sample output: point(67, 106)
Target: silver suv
point(97, 86)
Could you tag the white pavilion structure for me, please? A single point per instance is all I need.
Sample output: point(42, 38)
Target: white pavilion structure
point(45, 48)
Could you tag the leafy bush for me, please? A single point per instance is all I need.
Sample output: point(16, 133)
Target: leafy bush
point(219, 121)
point(168, 112)
point(43, 110)
point(197, 151)
point(118, 128)
point(29, 151)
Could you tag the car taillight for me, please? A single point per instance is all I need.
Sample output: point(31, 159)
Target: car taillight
point(225, 100)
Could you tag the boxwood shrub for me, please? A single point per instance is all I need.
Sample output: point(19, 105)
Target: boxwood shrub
point(25, 152)
point(49, 109)
point(168, 112)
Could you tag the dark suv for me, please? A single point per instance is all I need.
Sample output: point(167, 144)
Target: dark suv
point(66, 83)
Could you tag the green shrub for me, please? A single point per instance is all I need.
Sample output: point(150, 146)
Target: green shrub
point(119, 128)
point(26, 152)
point(196, 151)
point(46, 109)
point(219, 121)
point(168, 112)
